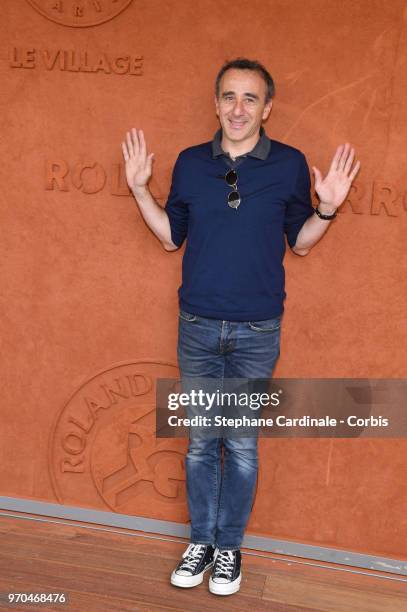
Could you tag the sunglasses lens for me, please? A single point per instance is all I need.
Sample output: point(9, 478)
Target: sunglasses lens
point(231, 178)
point(234, 199)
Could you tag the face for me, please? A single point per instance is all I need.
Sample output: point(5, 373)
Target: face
point(241, 105)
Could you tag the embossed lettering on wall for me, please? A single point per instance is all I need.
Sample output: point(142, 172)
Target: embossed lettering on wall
point(380, 198)
point(79, 13)
point(90, 177)
point(76, 61)
point(103, 445)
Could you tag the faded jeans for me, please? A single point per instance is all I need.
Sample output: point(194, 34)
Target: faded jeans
point(220, 501)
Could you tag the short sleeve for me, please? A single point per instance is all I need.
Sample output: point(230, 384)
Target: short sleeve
point(299, 206)
point(176, 209)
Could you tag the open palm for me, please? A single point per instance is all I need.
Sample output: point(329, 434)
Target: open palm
point(333, 189)
point(138, 164)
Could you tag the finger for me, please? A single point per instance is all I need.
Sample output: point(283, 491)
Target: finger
point(129, 142)
point(349, 161)
point(336, 158)
point(143, 148)
point(136, 143)
point(355, 170)
point(125, 152)
point(317, 174)
point(344, 155)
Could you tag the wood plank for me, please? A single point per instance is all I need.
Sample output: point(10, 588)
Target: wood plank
point(87, 534)
point(82, 601)
point(326, 597)
point(124, 585)
point(85, 557)
point(151, 567)
point(333, 574)
point(172, 551)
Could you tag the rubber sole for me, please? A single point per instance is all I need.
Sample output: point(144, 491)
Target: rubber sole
point(187, 582)
point(225, 589)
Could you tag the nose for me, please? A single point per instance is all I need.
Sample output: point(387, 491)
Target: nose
point(238, 108)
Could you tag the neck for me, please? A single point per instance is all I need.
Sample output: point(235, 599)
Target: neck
point(239, 148)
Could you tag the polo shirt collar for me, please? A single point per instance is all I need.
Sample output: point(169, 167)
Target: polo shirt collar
point(260, 151)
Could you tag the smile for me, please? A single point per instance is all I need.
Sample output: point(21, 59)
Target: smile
point(237, 125)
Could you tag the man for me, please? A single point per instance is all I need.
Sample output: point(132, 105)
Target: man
point(234, 199)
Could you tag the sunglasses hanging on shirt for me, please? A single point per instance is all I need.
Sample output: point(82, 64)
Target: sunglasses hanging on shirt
point(234, 196)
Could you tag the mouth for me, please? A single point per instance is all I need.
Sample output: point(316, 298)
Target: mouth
point(237, 125)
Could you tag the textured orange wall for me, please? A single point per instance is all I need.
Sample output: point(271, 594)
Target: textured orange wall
point(88, 296)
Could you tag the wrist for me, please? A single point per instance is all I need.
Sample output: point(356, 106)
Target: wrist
point(326, 209)
point(140, 191)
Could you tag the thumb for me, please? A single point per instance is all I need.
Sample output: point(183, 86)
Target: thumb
point(150, 159)
point(317, 174)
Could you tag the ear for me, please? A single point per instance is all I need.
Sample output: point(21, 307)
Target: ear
point(217, 106)
point(267, 110)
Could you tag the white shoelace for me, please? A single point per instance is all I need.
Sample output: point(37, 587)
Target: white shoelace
point(192, 556)
point(224, 562)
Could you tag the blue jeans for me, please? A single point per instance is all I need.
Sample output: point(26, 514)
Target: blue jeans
point(219, 501)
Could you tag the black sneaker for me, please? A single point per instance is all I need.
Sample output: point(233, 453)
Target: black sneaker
point(226, 574)
point(195, 561)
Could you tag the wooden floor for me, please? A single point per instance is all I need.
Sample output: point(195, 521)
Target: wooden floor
point(105, 571)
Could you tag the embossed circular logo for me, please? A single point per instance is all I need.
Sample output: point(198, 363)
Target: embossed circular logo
point(79, 13)
point(103, 451)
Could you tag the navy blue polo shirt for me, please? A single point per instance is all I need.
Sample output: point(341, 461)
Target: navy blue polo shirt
point(232, 267)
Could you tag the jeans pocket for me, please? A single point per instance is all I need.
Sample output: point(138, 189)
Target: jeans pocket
point(268, 325)
point(187, 316)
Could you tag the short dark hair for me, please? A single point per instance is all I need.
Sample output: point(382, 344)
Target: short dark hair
point(242, 63)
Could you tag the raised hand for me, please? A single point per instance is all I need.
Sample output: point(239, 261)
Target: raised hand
point(333, 189)
point(137, 163)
